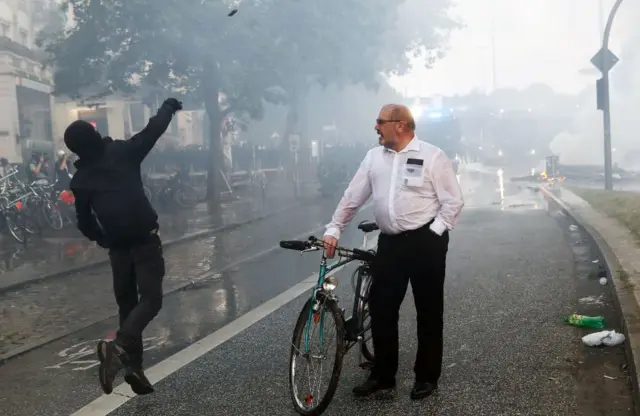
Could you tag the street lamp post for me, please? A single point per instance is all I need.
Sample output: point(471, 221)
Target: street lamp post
point(603, 96)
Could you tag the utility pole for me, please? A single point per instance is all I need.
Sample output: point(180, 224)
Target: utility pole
point(493, 47)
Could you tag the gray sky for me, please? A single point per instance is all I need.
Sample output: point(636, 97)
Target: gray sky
point(546, 41)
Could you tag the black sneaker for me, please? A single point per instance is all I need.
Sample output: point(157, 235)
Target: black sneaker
point(110, 356)
point(138, 381)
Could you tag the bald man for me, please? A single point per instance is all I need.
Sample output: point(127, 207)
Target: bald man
point(416, 202)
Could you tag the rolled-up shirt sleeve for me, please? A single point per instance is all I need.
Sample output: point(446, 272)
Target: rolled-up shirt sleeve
point(448, 192)
point(357, 193)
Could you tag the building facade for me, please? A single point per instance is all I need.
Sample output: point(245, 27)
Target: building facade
point(117, 117)
point(25, 86)
point(31, 119)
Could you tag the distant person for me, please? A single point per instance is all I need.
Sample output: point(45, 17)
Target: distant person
point(37, 169)
point(5, 170)
point(113, 211)
point(63, 175)
point(5, 167)
point(416, 201)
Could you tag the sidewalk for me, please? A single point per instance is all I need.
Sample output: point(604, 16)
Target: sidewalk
point(68, 252)
point(621, 254)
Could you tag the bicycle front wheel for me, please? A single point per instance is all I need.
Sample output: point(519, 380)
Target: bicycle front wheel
point(326, 326)
point(15, 227)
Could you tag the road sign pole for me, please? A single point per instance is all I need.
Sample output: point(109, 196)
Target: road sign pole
point(605, 67)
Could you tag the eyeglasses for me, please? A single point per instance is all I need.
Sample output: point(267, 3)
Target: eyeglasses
point(380, 121)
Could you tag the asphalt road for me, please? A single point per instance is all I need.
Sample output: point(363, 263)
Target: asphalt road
point(220, 346)
point(59, 251)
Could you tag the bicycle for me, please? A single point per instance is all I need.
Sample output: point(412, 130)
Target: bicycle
point(322, 304)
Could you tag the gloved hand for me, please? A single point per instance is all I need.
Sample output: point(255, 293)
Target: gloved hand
point(174, 104)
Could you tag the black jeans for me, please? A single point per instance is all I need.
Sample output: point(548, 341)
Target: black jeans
point(137, 283)
point(418, 257)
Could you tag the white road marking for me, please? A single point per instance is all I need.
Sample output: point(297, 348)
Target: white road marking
point(106, 404)
point(74, 355)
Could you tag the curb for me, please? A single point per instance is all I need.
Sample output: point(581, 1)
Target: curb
point(197, 280)
point(167, 243)
point(624, 298)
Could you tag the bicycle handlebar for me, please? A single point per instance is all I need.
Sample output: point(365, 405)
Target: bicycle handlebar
point(295, 245)
point(302, 245)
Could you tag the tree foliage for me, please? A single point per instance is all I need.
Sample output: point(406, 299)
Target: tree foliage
point(271, 50)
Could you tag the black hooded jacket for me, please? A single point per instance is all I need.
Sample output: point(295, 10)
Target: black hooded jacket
point(108, 183)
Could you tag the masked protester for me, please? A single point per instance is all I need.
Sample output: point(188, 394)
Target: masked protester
point(113, 211)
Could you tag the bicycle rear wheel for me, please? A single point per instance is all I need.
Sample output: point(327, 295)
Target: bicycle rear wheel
point(52, 216)
point(186, 196)
point(313, 402)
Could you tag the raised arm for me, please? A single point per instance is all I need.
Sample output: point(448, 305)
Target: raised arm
point(141, 143)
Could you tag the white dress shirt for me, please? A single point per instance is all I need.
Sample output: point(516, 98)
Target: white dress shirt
point(409, 189)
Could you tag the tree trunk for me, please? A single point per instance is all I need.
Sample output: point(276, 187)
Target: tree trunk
point(290, 126)
point(215, 165)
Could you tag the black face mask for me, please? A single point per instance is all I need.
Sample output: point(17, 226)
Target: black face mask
point(82, 139)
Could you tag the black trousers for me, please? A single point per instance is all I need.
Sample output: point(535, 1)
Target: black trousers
point(418, 257)
point(137, 283)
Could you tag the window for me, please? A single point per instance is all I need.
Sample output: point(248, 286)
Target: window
point(17, 63)
point(173, 127)
point(138, 119)
point(6, 29)
point(34, 114)
point(24, 37)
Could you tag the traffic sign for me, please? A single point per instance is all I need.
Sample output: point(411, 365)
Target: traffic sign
point(604, 60)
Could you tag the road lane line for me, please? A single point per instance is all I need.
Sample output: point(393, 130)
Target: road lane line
point(199, 278)
point(106, 404)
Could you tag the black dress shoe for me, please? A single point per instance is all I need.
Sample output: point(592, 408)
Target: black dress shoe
point(372, 386)
point(422, 390)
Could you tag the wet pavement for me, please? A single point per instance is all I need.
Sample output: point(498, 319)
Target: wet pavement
point(47, 309)
point(59, 251)
point(514, 270)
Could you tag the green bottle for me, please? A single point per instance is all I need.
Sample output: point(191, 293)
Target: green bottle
point(585, 321)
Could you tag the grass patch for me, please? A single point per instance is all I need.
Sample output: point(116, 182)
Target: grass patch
point(622, 205)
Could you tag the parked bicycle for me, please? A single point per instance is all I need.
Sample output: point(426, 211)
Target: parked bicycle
point(21, 207)
point(321, 307)
point(176, 190)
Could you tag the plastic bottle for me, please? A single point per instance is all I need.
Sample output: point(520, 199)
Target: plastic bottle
point(585, 321)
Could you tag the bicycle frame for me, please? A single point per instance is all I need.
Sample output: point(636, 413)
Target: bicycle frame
point(325, 269)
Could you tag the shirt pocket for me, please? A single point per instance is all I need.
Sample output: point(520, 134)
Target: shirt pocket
point(413, 173)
